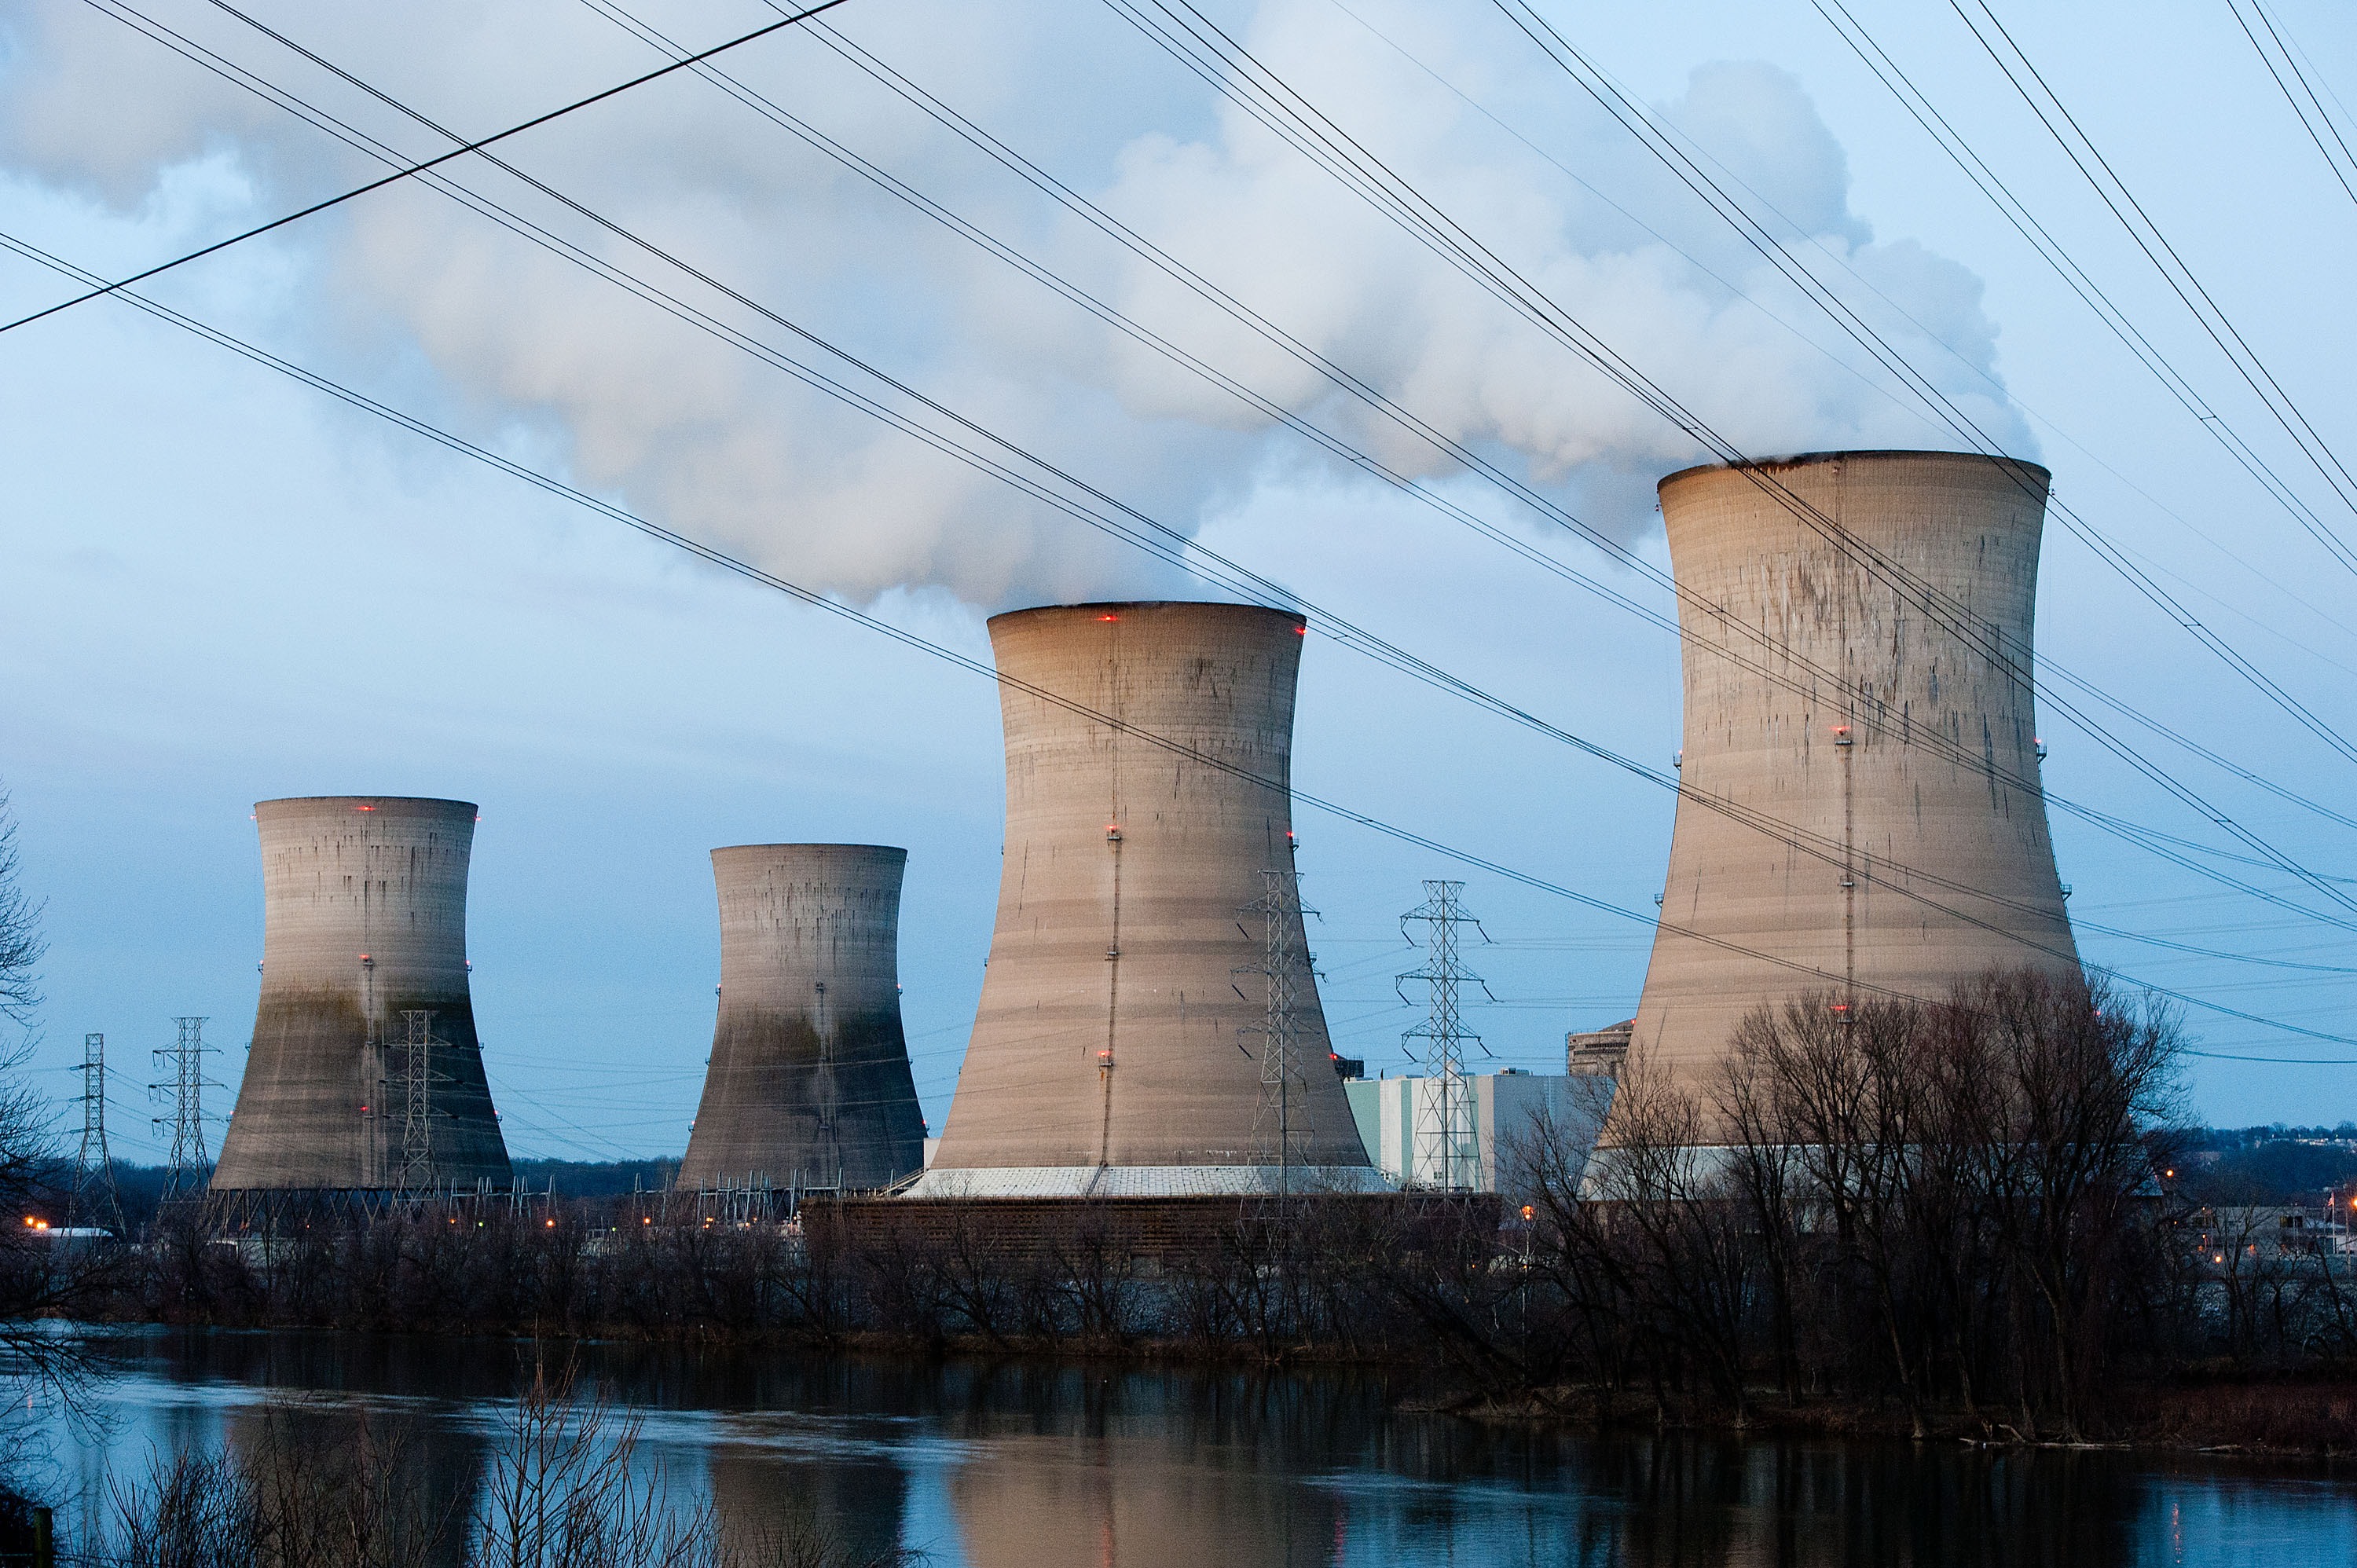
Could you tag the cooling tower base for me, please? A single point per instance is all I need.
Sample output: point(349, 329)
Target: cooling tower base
point(1135, 1236)
point(1145, 1181)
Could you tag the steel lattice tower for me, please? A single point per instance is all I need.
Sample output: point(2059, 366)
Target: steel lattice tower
point(94, 1197)
point(1281, 1127)
point(189, 1166)
point(418, 1077)
point(1444, 1140)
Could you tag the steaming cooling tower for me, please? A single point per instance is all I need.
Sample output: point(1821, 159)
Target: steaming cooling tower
point(1859, 804)
point(1148, 794)
point(809, 1084)
point(363, 953)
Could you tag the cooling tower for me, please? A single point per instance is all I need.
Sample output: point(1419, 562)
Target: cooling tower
point(1109, 1056)
point(364, 921)
point(808, 1083)
point(1858, 804)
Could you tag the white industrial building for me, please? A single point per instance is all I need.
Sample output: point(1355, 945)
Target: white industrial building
point(1401, 1120)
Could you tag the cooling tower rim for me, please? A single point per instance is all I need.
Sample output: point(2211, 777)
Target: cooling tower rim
point(421, 805)
point(735, 849)
point(988, 1182)
point(1806, 460)
point(1122, 607)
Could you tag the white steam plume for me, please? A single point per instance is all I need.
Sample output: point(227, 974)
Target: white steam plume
point(732, 451)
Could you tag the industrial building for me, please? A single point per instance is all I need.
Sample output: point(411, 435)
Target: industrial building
point(365, 1073)
point(1404, 1121)
point(808, 1085)
point(1148, 964)
point(1859, 807)
point(1598, 1052)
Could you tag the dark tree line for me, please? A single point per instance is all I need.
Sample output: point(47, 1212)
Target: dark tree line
point(1950, 1213)
point(1268, 1281)
point(1954, 1211)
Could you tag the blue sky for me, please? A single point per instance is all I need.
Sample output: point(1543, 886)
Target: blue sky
point(225, 587)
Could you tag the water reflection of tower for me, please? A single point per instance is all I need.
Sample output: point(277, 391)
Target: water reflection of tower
point(435, 1475)
point(763, 1497)
point(1059, 1503)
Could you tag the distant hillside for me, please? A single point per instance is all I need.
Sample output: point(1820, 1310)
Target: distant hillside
point(141, 1187)
point(2271, 1164)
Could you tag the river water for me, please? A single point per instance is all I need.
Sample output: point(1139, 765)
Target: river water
point(1044, 1466)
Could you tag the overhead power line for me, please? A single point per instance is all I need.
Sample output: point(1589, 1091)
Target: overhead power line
point(1172, 544)
point(2051, 251)
point(1667, 150)
point(920, 643)
point(418, 168)
point(1249, 584)
point(1546, 506)
point(575, 203)
point(2314, 118)
point(1168, 540)
point(1197, 44)
point(2089, 160)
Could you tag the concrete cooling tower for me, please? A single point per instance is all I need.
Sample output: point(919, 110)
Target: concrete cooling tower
point(1109, 1056)
point(364, 949)
point(1859, 794)
point(809, 1084)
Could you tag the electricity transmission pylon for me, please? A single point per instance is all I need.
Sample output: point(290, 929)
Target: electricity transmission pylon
point(1281, 1124)
point(182, 1063)
point(95, 1197)
point(1446, 1142)
point(419, 1076)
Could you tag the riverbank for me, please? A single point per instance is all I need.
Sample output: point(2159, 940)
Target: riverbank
point(1518, 1325)
point(1015, 1461)
point(2310, 1417)
point(2305, 1415)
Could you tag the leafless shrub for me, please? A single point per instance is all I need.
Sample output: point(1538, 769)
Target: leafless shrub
point(21, 946)
point(281, 1498)
point(567, 1486)
point(565, 1490)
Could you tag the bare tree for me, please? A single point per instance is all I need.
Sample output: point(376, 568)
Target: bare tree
point(41, 1276)
point(1833, 1093)
point(2088, 1074)
point(1963, 1185)
point(21, 946)
point(1657, 1211)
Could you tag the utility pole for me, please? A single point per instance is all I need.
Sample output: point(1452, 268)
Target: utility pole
point(182, 1064)
point(95, 1197)
point(1445, 1139)
point(1282, 1089)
